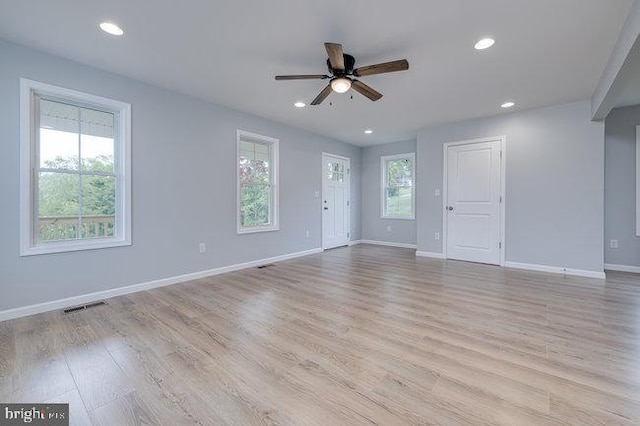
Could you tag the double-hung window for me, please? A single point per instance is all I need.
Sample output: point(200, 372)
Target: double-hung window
point(398, 189)
point(257, 183)
point(75, 170)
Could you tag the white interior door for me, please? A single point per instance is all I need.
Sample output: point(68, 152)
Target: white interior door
point(336, 189)
point(473, 214)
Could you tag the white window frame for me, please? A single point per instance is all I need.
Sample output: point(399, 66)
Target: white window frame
point(274, 180)
point(383, 185)
point(29, 244)
point(638, 181)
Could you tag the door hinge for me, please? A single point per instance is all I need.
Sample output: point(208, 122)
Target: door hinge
point(500, 154)
point(499, 245)
point(347, 203)
point(348, 171)
point(348, 234)
point(501, 198)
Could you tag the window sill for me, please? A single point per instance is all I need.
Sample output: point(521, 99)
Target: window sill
point(258, 229)
point(66, 246)
point(398, 217)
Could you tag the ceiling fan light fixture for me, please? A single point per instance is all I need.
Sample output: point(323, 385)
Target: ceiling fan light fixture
point(507, 104)
point(340, 84)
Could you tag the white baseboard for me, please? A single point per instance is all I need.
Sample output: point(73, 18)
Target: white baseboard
point(100, 295)
point(429, 254)
point(622, 268)
point(355, 242)
point(555, 270)
point(388, 244)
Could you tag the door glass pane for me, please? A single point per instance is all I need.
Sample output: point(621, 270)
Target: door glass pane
point(58, 206)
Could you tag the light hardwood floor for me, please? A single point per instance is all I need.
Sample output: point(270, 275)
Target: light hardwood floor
point(360, 335)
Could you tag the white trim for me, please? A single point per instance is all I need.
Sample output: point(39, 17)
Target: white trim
point(273, 172)
point(429, 254)
point(555, 270)
point(100, 295)
point(622, 268)
point(502, 191)
point(355, 242)
point(638, 181)
point(388, 244)
point(383, 185)
point(28, 204)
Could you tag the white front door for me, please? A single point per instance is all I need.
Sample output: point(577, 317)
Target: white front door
point(336, 185)
point(473, 214)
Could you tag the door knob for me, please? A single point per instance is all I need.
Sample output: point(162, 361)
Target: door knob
point(450, 208)
point(326, 208)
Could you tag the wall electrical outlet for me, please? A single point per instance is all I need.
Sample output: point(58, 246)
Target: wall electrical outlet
point(202, 248)
point(389, 228)
point(437, 236)
point(437, 192)
point(613, 244)
point(307, 234)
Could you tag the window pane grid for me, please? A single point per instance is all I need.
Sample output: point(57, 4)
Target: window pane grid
point(398, 187)
point(256, 184)
point(83, 175)
point(76, 172)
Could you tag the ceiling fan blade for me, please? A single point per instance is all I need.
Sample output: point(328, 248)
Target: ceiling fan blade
point(302, 77)
point(336, 56)
point(322, 96)
point(392, 66)
point(365, 90)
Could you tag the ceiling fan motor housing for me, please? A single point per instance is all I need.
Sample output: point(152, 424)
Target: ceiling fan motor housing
point(349, 62)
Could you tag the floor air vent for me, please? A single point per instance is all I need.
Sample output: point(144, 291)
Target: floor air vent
point(266, 266)
point(83, 307)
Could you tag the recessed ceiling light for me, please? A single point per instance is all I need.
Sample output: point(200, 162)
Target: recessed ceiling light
point(111, 28)
point(299, 104)
point(507, 104)
point(368, 131)
point(485, 43)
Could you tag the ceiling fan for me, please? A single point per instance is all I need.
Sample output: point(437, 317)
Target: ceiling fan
point(342, 74)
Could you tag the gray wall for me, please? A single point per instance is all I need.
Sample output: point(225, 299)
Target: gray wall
point(373, 227)
point(620, 187)
point(183, 187)
point(554, 189)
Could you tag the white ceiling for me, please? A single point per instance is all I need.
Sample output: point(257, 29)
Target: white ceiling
point(547, 52)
